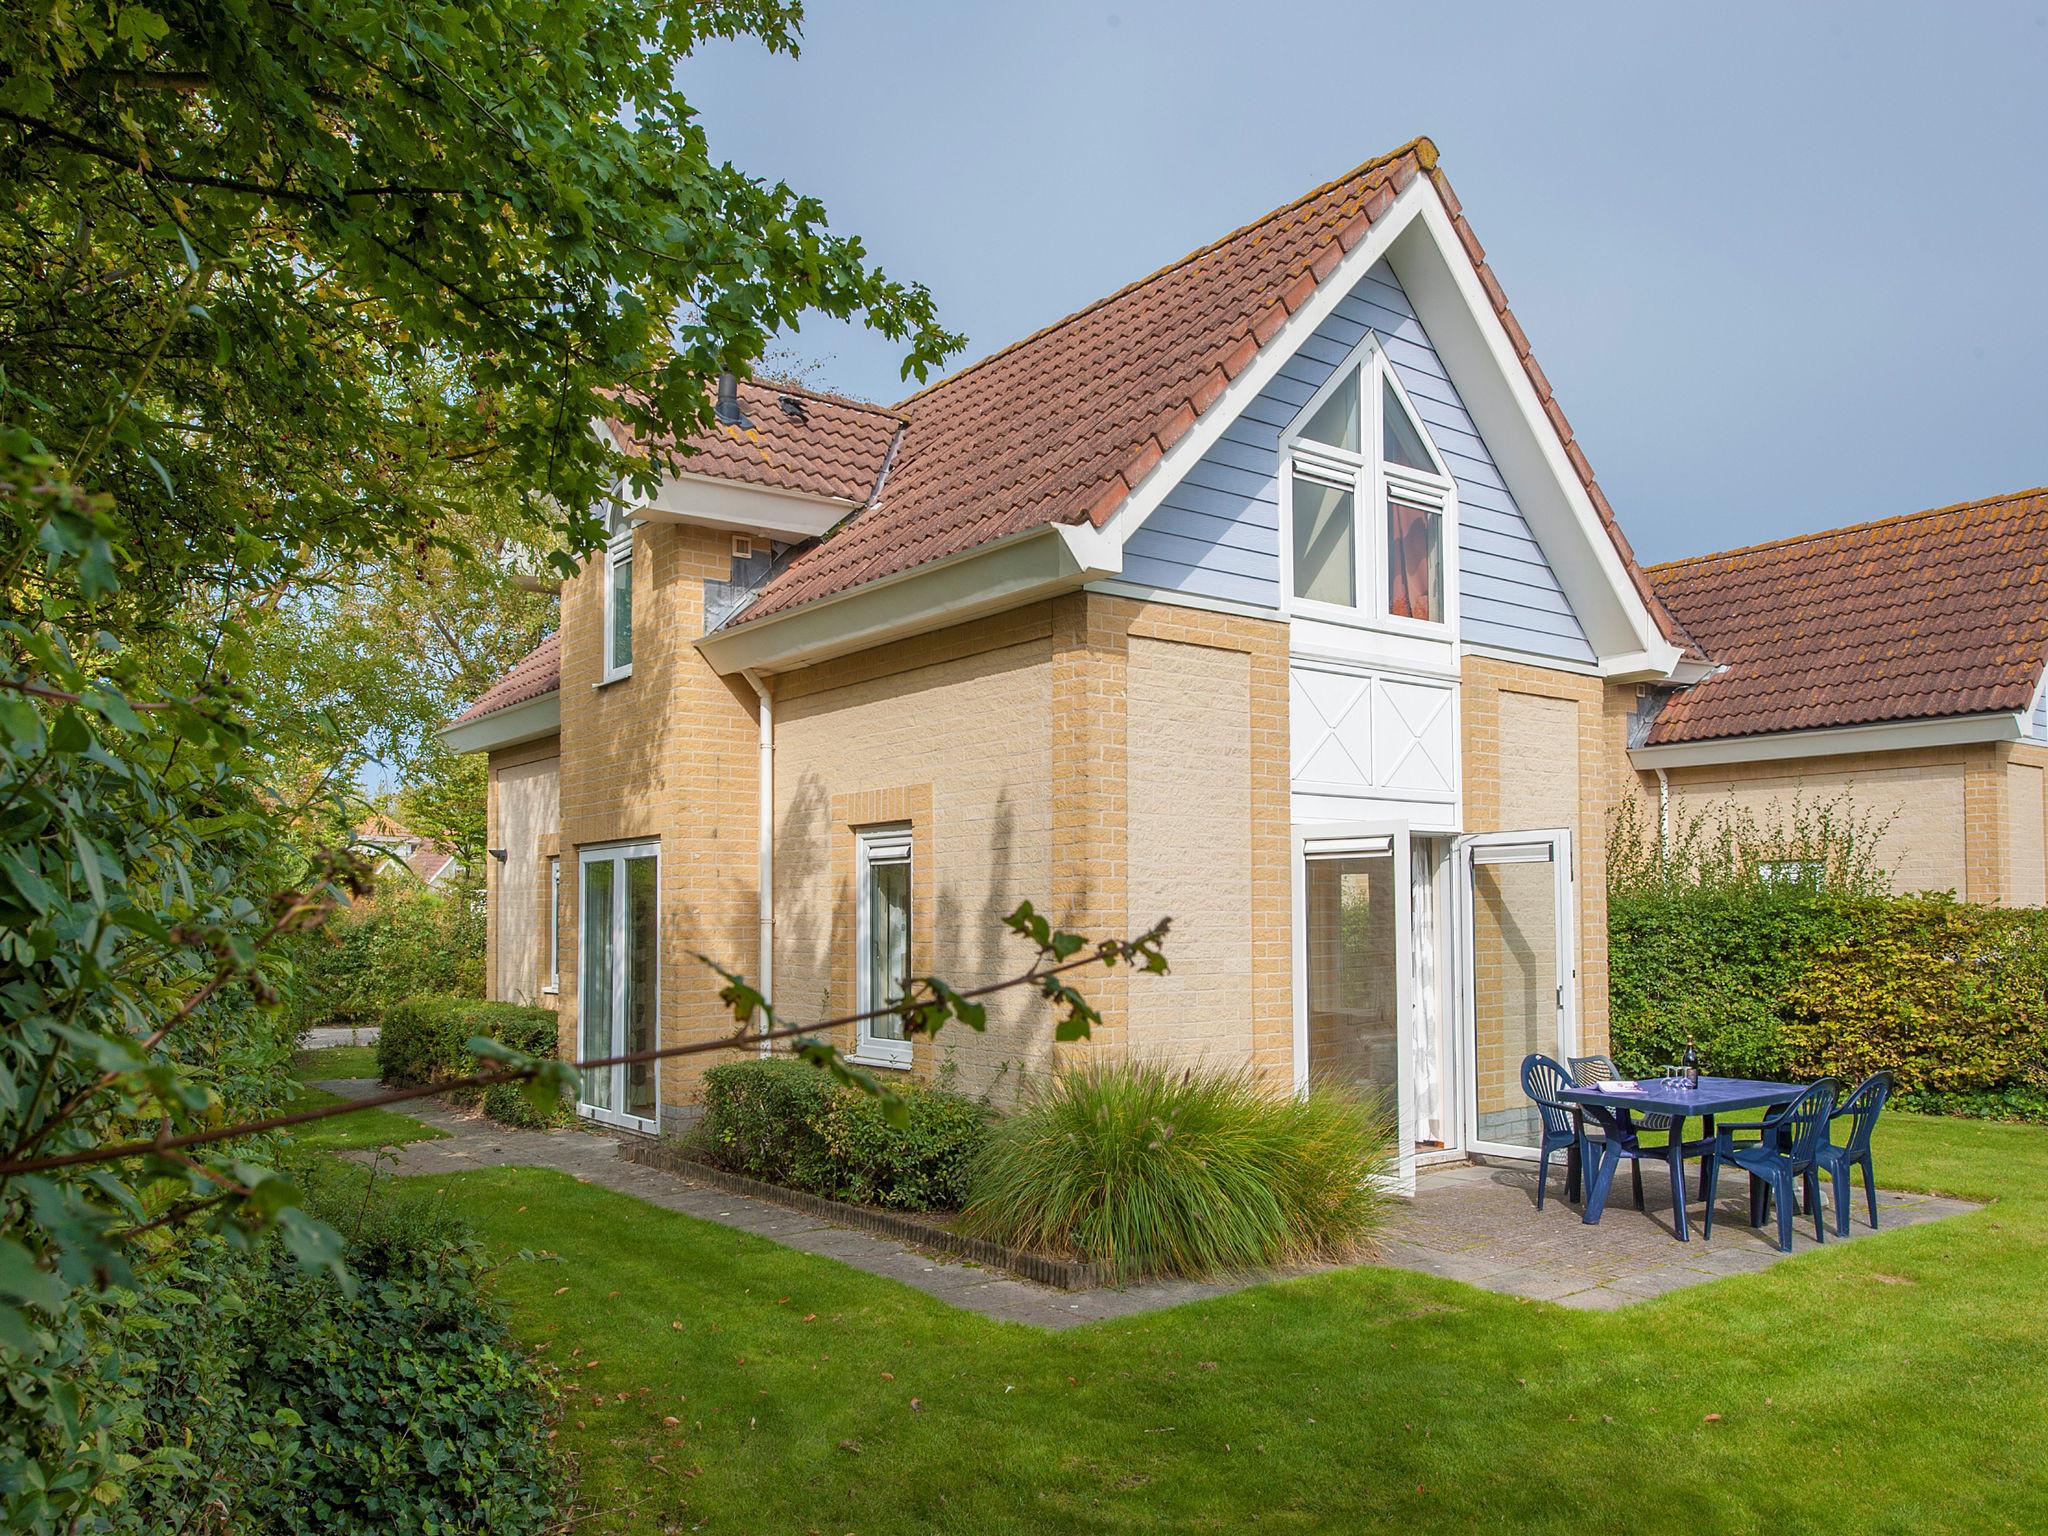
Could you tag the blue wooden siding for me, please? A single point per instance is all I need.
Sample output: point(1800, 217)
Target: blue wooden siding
point(2037, 717)
point(1217, 533)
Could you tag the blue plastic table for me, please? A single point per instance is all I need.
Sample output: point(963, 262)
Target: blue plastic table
point(1613, 1104)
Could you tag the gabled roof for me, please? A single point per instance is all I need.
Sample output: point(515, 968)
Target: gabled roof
point(535, 675)
point(1062, 426)
point(1933, 614)
point(793, 439)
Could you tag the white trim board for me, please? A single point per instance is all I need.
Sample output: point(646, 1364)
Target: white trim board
point(511, 727)
point(1892, 736)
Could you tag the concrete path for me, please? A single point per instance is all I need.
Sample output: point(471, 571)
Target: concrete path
point(1479, 1225)
point(476, 1142)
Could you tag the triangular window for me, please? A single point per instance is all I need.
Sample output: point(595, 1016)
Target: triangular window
point(1400, 439)
point(1335, 423)
point(1368, 538)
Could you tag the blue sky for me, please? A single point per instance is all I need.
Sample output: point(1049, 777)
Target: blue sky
point(1783, 264)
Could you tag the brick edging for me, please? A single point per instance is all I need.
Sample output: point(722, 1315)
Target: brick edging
point(1060, 1273)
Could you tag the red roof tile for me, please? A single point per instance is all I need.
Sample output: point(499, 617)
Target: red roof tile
point(535, 675)
point(1059, 427)
point(1937, 613)
point(793, 439)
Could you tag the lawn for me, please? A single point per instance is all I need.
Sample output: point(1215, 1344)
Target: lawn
point(366, 1128)
point(336, 1061)
point(717, 1381)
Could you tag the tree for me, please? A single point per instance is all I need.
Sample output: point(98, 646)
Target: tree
point(287, 286)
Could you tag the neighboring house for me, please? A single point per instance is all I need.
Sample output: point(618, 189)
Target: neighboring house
point(1897, 666)
point(397, 849)
point(1271, 592)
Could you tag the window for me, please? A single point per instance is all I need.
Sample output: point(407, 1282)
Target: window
point(618, 607)
point(883, 938)
point(554, 972)
point(1368, 501)
point(1811, 873)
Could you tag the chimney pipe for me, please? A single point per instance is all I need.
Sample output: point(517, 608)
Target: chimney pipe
point(729, 401)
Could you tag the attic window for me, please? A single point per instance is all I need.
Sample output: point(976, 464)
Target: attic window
point(1368, 503)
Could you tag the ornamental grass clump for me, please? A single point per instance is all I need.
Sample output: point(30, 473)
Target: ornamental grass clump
point(1144, 1169)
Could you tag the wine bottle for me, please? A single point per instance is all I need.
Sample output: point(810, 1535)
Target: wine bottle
point(1691, 1064)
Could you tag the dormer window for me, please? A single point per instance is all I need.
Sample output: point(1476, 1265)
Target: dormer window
point(1368, 502)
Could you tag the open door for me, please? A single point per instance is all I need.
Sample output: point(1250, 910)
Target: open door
point(1353, 967)
point(1516, 949)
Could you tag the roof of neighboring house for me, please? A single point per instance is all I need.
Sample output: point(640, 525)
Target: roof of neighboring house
point(792, 439)
point(1061, 426)
point(1936, 613)
point(535, 675)
point(430, 862)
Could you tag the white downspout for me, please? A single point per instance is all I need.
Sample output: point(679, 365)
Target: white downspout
point(764, 978)
point(1663, 816)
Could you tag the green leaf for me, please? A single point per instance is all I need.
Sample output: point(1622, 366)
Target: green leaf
point(21, 1279)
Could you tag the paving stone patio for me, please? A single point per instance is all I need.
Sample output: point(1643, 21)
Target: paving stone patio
point(1480, 1224)
point(1476, 1224)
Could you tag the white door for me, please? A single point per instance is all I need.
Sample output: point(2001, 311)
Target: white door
point(1353, 968)
point(1517, 977)
point(619, 996)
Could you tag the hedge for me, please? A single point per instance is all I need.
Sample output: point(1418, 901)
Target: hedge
point(783, 1120)
point(425, 1040)
point(399, 943)
point(1789, 983)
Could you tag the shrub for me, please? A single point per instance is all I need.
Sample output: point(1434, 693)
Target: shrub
point(782, 1120)
point(426, 1040)
point(397, 944)
point(1145, 1169)
point(401, 1406)
point(1831, 976)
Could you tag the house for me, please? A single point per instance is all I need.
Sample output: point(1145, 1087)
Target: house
point(397, 849)
point(1272, 592)
point(1895, 666)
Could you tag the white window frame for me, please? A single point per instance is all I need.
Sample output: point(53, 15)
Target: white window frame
point(1370, 479)
point(872, 846)
point(554, 981)
point(616, 854)
point(618, 551)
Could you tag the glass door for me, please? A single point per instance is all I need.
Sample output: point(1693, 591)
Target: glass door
point(1515, 955)
point(619, 997)
point(1354, 970)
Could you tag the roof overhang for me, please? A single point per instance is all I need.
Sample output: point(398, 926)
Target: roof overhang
point(1835, 741)
point(1026, 567)
point(716, 503)
point(510, 727)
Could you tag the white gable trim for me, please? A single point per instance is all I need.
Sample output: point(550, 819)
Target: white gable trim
point(1477, 352)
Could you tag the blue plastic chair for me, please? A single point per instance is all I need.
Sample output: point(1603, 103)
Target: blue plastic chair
point(1787, 1151)
point(1541, 1079)
point(1861, 1110)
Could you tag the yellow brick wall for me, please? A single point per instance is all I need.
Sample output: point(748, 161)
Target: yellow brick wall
point(1188, 789)
point(1542, 749)
point(951, 733)
point(669, 754)
point(522, 813)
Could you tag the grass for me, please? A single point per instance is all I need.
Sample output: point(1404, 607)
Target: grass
point(337, 1061)
point(1893, 1384)
point(366, 1128)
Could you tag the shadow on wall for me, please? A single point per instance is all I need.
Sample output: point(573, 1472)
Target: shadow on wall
point(967, 946)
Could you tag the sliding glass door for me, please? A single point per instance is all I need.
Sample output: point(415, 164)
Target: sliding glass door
point(1518, 982)
point(619, 998)
point(1353, 958)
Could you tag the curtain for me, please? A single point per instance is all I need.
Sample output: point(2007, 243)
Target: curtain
point(1422, 865)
